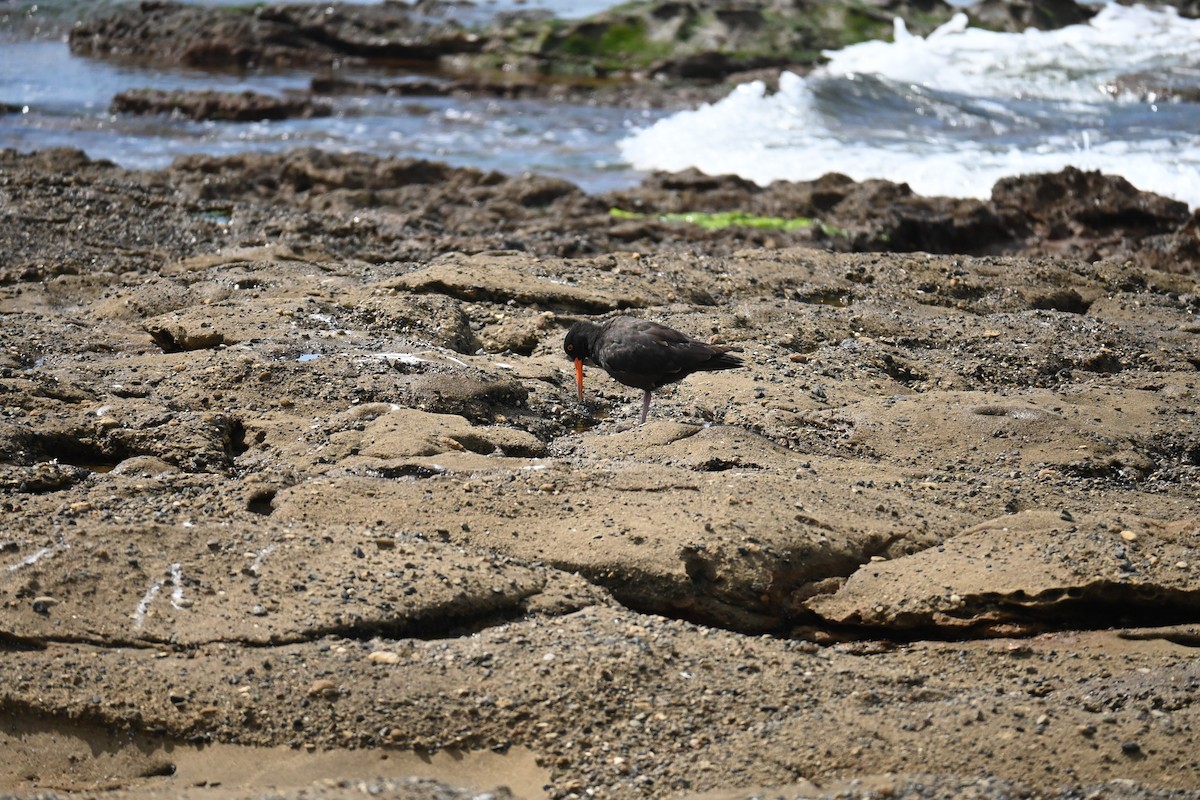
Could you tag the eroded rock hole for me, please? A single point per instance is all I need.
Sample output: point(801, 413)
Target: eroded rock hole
point(716, 465)
point(836, 298)
point(164, 770)
point(407, 471)
point(699, 569)
point(235, 438)
point(900, 372)
point(262, 503)
point(76, 451)
point(1065, 300)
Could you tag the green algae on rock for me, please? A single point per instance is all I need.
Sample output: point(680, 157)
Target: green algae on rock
point(718, 220)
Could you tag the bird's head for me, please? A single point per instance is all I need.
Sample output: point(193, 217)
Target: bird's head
point(577, 346)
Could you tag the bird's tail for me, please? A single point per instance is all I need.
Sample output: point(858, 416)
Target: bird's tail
point(725, 360)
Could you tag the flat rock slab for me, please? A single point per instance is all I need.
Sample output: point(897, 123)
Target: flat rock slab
point(1118, 430)
point(194, 584)
point(101, 435)
point(715, 522)
point(403, 432)
point(515, 277)
point(1028, 569)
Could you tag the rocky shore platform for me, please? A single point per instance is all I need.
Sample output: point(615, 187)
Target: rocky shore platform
point(298, 500)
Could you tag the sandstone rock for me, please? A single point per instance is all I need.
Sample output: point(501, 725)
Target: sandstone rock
point(353, 475)
point(244, 106)
point(270, 36)
point(307, 583)
point(511, 279)
point(1029, 569)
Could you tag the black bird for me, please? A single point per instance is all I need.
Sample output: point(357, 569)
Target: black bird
point(643, 354)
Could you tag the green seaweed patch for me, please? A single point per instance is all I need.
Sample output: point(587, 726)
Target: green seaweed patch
point(835, 25)
point(861, 27)
point(719, 220)
point(612, 40)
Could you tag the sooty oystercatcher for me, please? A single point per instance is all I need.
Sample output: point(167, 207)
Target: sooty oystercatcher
point(643, 354)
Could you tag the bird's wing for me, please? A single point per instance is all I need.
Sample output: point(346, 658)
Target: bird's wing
point(649, 355)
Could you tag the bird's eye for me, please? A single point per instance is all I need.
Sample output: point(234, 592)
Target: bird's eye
point(570, 348)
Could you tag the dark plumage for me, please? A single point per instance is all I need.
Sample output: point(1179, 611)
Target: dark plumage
point(643, 354)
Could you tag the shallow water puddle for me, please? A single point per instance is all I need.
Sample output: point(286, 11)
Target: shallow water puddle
point(233, 766)
point(38, 754)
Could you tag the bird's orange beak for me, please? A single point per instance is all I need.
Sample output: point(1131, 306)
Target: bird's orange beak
point(579, 377)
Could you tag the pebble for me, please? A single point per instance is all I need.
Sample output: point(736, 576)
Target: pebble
point(258, 611)
point(1129, 536)
point(384, 657)
point(44, 603)
point(322, 688)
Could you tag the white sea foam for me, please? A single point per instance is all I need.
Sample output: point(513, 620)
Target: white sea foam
point(953, 112)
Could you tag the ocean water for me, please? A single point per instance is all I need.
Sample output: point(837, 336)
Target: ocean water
point(949, 113)
point(62, 101)
point(953, 112)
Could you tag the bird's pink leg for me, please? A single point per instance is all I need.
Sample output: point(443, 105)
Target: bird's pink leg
point(645, 406)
